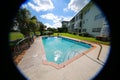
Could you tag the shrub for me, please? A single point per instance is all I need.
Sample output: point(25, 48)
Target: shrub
point(85, 34)
point(102, 38)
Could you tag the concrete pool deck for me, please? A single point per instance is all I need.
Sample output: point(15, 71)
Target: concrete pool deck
point(84, 68)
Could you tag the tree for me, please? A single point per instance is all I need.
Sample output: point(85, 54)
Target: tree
point(14, 26)
point(23, 17)
point(26, 23)
point(60, 30)
point(51, 29)
point(33, 24)
point(41, 28)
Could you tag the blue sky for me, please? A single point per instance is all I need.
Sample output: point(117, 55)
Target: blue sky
point(52, 12)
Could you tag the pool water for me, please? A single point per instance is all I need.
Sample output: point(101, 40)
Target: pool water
point(60, 49)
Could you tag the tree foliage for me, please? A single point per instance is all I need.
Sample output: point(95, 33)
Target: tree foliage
point(42, 28)
point(22, 18)
point(33, 24)
point(27, 24)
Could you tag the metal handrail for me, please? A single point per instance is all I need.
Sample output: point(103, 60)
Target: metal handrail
point(22, 45)
point(99, 51)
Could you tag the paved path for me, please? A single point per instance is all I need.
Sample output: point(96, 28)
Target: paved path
point(84, 68)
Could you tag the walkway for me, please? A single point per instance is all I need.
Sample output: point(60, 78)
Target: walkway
point(84, 68)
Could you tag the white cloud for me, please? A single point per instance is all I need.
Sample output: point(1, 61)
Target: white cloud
point(55, 25)
point(66, 18)
point(48, 25)
point(55, 19)
point(24, 5)
point(41, 5)
point(65, 9)
point(49, 16)
point(76, 5)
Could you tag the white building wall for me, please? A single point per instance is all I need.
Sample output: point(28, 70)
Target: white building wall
point(93, 19)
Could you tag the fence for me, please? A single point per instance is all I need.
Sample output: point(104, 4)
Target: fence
point(21, 45)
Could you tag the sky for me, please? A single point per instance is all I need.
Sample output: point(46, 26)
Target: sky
point(52, 12)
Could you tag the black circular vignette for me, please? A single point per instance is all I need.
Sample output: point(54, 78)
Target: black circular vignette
point(110, 69)
point(8, 69)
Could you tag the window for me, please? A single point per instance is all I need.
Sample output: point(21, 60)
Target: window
point(84, 30)
point(80, 23)
point(77, 17)
point(87, 11)
point(96, 29)
point(81, 15)
point(79, 30)
point(99, 16)
point(83, 21)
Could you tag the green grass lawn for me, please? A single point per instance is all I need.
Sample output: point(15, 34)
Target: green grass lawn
point(37, 33)
point(18, 35)
point(90, 39)
point(15, 35)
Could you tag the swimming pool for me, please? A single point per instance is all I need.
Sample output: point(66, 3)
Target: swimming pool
point(60, 49)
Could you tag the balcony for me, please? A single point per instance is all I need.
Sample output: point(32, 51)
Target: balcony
point(77, 24)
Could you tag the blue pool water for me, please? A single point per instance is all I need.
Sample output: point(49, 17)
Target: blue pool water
point(59, 49)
